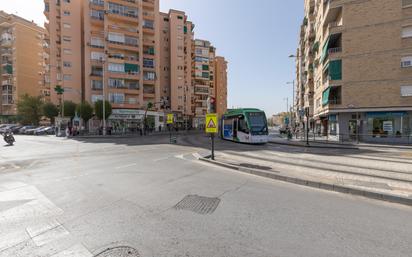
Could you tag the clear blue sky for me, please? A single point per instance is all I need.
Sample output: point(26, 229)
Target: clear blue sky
point(256, 37)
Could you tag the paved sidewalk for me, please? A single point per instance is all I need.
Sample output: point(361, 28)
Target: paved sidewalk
point(382, 180)
point(332, 144)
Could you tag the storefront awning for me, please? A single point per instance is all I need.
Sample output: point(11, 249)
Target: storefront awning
point(385, 114)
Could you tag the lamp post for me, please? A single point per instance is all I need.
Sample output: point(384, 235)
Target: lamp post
point(293, 101)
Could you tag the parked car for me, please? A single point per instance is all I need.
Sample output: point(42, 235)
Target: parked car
point(45, 131)
point(23, 129)
point(31, 131)
point(7, 127)
point(16, 129)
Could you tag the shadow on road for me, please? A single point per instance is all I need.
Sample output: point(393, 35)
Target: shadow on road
point(202, 141)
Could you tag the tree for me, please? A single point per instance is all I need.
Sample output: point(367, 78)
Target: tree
point(29, 109)
point(69, 109)
point(98, 108)
point(145, 123)
point(50, 111)
point(85, 110)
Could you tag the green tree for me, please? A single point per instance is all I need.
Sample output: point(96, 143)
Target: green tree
point(85, 110)
point(29, 108)
point(98, 108)
point(69, 109)
point(51, 111)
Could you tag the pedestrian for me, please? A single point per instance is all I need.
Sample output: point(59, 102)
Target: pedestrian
point(160, 128)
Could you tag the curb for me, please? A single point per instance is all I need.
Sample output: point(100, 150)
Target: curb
point(315, 146)
point(314, 184)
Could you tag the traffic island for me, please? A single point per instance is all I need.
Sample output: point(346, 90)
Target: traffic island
point(323, 183)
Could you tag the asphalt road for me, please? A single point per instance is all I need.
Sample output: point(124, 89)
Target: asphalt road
point(63, 197)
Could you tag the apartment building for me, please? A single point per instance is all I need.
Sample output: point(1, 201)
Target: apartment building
point(65, 50)
point(354, 68)
point(176, 36)
point(221, 85)
point(22, 62)
point(203, 79)
point(110, 44)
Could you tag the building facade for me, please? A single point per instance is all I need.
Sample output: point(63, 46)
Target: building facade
point(22, 62)
point(203, 79)
point(221, 85)
point(354, 69)
point(176, 33)
point(136, 54)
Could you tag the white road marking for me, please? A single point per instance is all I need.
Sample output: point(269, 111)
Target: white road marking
point(75, 251)
point(126, 166)
point(46, 233)
point(11, 238)
point(37, 206)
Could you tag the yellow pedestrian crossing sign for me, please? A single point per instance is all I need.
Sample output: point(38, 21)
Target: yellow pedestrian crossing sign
point(211, 123)
point(170, 118)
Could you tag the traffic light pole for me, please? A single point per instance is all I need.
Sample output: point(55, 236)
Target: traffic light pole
point(212, 136)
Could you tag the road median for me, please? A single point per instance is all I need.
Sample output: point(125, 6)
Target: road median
point(320, 183)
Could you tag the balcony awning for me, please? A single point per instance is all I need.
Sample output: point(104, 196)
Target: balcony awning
point(325, 50)
point(131, 67)
point(335, 70)
point(325, 96)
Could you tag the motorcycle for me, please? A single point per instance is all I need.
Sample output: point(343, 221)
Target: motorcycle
point(9, 138)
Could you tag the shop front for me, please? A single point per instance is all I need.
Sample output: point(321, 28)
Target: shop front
point(131, 121)
point(392, 127)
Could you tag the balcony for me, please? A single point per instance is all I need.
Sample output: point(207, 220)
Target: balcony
point(148, 4)
point(332, 96)
point(98, 4)
point(123, 16)
point(124, 75)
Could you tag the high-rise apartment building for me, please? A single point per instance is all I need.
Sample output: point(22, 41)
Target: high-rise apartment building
point(221, 85)
point(65, 65)
point(354, 68)
point(22, 62)
point(110, 44)
point(203, 79)
point(176, 36)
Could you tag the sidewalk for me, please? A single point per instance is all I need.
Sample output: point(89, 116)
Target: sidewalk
point(386, 183)
point(332, 144)
point(137, 135)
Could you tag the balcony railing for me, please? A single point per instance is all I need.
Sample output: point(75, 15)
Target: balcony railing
point(334, 50)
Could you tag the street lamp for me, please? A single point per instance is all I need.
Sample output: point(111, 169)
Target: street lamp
point(293, 98)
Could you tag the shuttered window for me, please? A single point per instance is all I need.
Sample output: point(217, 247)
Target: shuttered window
point(407, 32)
point(406, 90)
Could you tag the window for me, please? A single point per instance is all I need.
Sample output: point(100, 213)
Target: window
point(148, 63)
point(149, 75)
point(67, 51)
point(116, 67)
point(148, 24)
point(406, 3)
point(116, 98)
point(67, 25)
point(116, 37)
point(97, 84)
point(67, 64)
point(97, 14)
point(67, 1)
point(406, 90)
point(116, 83)
point(122, 10)
point(180, 17)
point(97, 55)
point(66, 13)
point(67, 77)
point(96, 98)
point(97, 42)
point(67, 39)
point(407, 32)
point(406, 61)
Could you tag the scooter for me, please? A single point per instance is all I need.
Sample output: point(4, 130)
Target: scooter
point(9, 138)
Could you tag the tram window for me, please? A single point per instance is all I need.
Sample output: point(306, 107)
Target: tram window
point(243, 125)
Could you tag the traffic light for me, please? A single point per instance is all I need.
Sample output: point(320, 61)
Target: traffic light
point(212, 105)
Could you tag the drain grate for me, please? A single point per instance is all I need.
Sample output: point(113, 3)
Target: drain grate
point(198, 204)
point(121, 251)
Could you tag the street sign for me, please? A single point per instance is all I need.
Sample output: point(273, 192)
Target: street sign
point(170, 119)
point(211, 123)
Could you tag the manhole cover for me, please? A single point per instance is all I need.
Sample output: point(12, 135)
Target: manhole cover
point(254, 166)
point(198, 204)
point(121, 251)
